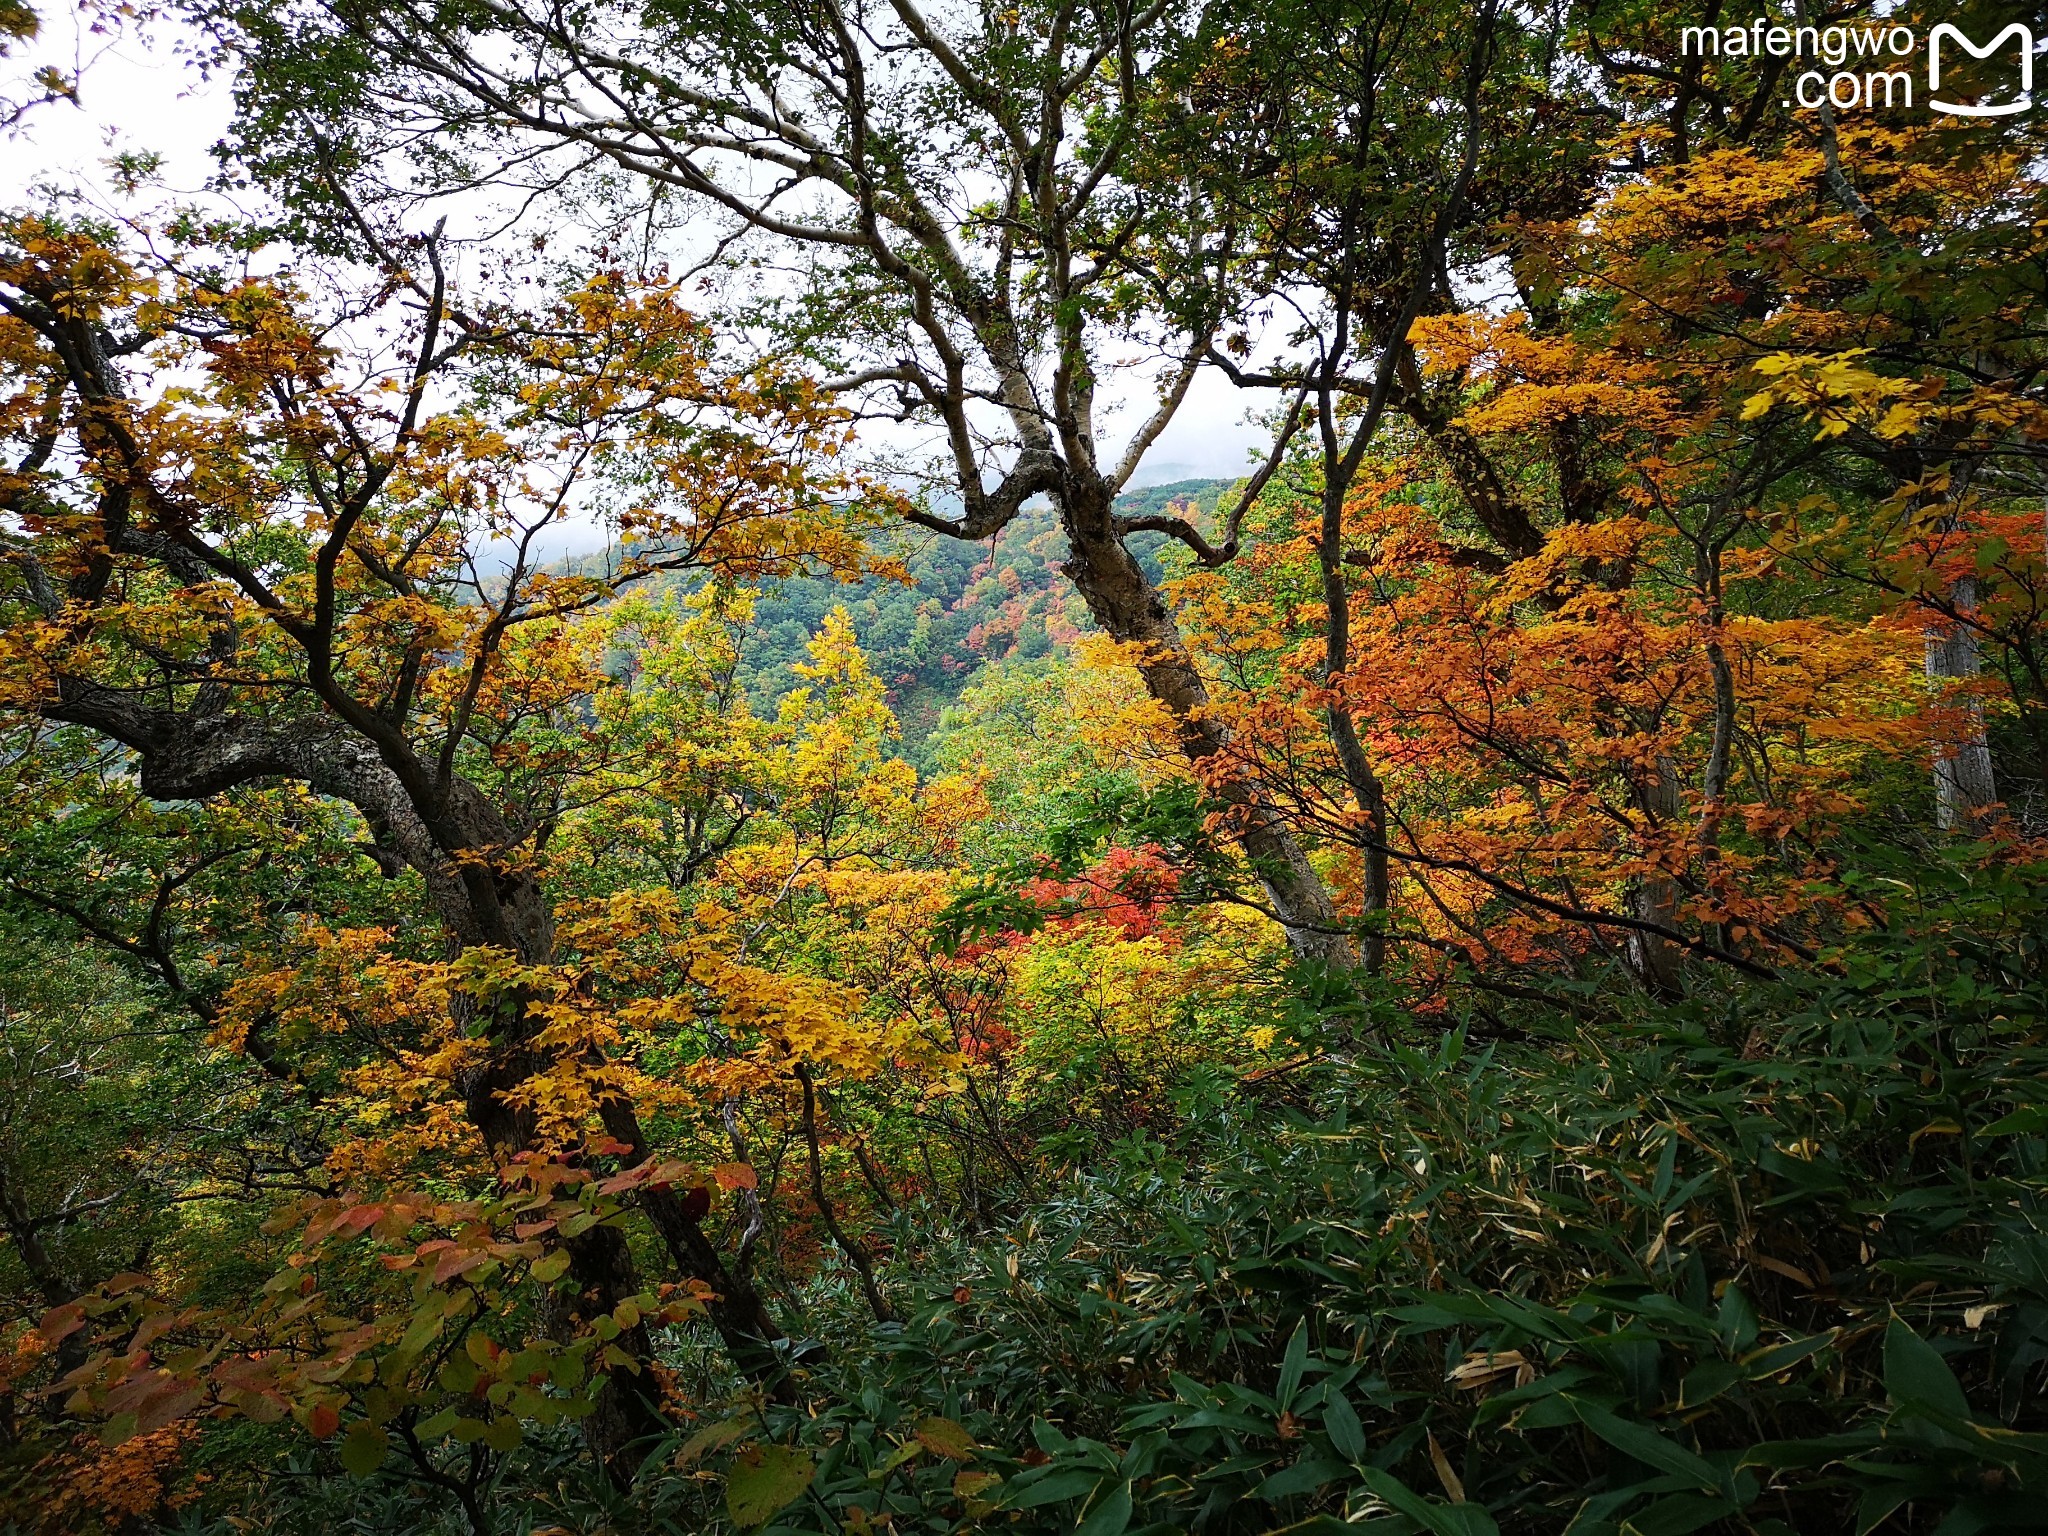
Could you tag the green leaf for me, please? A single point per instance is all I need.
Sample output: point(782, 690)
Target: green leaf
point(550, 1267)
point(504, 1433)
point(1707, 1381)
point(712, 1437)
point(1801, 1455)
point(364, 1449)
point(1055, 1489)
point(1440, 1519)
point(1110, 1516)
point(1679, 1515)
point(763, 1479)
point(1303, 1477)
point(1782, 1357)
point(1340, 1419)
point(1737, 1320)
point(1914, 1372)
point(1646, 1445)
point(909, 1450)
point(1876, 1507)
point(2025, 1120)
point(1292, 1366)
point(427, 1319)
point(1667, 1166)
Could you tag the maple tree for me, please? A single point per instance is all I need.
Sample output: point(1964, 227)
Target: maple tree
point(916, 303)
point(248, 565)
point(1484, 976)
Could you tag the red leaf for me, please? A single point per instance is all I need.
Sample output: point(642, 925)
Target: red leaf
point(323, 1421)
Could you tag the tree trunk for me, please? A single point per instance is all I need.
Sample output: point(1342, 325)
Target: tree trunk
point(1127, 606)
point(1964, 786)
point(745, 1326)
point(1657, 962)
point(1366, 785)
point(628, 1411)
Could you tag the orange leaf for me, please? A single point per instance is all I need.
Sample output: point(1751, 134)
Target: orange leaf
point(732, 1176)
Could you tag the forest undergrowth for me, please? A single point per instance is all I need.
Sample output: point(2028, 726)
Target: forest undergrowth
point(1777, 1256)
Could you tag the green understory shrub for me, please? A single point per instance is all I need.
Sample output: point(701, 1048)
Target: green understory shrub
point(1772, 1263)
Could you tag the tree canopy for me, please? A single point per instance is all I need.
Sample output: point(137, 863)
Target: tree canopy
point(648, 882)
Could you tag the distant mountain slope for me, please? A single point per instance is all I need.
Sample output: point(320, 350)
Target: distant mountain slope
point(969, 604)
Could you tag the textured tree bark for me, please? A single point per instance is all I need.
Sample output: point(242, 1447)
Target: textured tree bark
point(1965, 787)
point(1657, 962)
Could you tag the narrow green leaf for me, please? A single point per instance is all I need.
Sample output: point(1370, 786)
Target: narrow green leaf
point(1679, 1515)
point(1026, 1493)
point(1440, 1519)
point(1110, 1516)
point(1646, 1445)
point(1347, 1434)
point(1293, 1365)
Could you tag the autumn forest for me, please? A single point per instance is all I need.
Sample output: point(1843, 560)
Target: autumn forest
point(658, 875)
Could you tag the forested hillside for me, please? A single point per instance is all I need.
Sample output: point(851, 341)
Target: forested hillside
point(928, 629)
point(1479, 973)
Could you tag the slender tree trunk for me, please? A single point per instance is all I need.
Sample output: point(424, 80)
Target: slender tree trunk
point(856, 1255)
point(51, 1282)
point(1964, 786)
point(1128, 607)
point(1657, 962)
point(1366, 785)
point(1721, 746)
point(628, 1410)
point(736, 1309)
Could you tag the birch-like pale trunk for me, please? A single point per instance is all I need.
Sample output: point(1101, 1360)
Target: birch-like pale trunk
point(1964, 786)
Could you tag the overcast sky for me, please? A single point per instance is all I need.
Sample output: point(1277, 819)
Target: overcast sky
point(139, 93)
